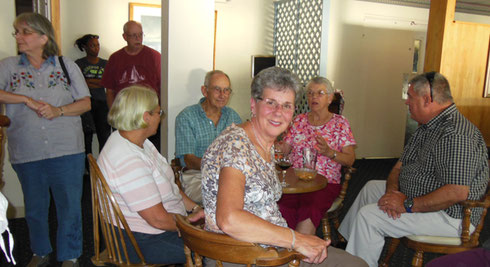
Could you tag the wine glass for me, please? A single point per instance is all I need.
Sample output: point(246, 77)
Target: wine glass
point(283, 163)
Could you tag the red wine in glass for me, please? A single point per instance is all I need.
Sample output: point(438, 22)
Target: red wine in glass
point(284, 165)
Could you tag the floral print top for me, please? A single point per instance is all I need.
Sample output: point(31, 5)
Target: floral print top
point(234, 149)
point(336, 132)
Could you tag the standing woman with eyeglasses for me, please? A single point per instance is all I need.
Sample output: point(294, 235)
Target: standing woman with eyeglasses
point(331, 136)
point(92, 67)
point(45, 139)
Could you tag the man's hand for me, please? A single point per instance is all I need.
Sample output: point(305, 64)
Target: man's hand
point(392, 204)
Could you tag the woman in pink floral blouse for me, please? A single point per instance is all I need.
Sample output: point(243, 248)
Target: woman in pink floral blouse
point(331, 136)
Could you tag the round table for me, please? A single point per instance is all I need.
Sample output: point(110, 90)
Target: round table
point(297, 185)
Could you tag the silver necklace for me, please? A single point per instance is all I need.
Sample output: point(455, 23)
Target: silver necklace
point(258, 138)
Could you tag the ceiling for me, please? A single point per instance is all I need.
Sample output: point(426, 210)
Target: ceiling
point(480, 7)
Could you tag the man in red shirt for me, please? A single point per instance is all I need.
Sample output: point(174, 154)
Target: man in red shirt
point(133, 64)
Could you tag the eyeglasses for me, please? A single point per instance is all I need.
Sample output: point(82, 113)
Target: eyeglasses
point(24, 32)
point(430, 78)
point(225, 91)
point(320, 93)
point(272, 104)
point(135, 35)
point(161, 113)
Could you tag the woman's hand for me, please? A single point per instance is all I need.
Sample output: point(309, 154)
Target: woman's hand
point(322, 146)
point(48, 111)
point(196, 215)
point(314, 248)
point(33, 104)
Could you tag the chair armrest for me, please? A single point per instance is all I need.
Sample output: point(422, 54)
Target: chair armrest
point(476, 203)
point(466, 238)
point(283, 255)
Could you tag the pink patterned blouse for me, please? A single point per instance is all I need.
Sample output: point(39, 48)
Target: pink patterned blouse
point(337, 133)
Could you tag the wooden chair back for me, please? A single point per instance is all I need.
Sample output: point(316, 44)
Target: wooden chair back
point(224, 248)
point(4, 123)
point(177, 169)
point(434, 245)
point(108, 219)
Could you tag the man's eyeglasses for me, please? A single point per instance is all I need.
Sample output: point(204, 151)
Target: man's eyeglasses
point(161, 113)
point(225, 91)
point(320, 93)
point(135, 35)
point(24, 32)
point(430, 78)
point(272, 104)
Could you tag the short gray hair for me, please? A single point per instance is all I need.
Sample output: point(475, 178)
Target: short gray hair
point(441, 91)
point(322, 81)
point(43, 26)
point(275, 78)
point(209, 75)
point(130, 105)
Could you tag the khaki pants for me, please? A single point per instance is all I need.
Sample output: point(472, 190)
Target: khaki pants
point(191, 181)
point(335, 258)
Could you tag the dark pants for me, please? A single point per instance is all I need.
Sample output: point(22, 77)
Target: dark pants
point(164, 248)
point(98, 115)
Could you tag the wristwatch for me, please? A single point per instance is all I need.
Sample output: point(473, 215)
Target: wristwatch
point(408, 203)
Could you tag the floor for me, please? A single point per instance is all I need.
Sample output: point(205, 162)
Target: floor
point(367, 169)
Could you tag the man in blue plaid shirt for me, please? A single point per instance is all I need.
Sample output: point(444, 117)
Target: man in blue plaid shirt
point(198, 125)
point(444, 163)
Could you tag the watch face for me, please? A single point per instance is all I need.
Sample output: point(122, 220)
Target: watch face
point(408, 203)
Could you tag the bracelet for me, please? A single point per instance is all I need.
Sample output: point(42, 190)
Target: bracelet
point(294, 238)
point(61, 110)
point(334, 155)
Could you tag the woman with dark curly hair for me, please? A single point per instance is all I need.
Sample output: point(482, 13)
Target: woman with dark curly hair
point(92, 67)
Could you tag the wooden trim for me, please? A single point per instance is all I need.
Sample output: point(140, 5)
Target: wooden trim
point(55, 21)
point(440, 15)
point(133, 5)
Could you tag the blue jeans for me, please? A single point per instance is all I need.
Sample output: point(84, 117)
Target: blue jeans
point(164, 248)
point(64, 176)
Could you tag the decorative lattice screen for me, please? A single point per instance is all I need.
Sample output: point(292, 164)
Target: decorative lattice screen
point(297, 39)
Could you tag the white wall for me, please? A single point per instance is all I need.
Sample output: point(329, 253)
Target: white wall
point(104, 18)
point(190, 56)
point(244, 28)
point(369, 49)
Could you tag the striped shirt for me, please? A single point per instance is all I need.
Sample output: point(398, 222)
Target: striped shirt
point(139, 178)
point(447, 150)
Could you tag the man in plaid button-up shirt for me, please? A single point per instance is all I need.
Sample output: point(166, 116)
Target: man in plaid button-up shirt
point(198, 125)
point(444, 163)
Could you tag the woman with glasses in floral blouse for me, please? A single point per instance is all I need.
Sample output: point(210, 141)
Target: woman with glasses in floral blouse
point(331, 136)
point(240, 186)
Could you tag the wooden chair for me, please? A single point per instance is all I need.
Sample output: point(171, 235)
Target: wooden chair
point(223, 248)
point(332, 215)
point(444, 245)
point(177, 168)
point(104, 206)
point(4, 123)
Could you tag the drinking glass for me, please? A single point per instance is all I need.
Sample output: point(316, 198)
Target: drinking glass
point(309, 158)
point(283, 163)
